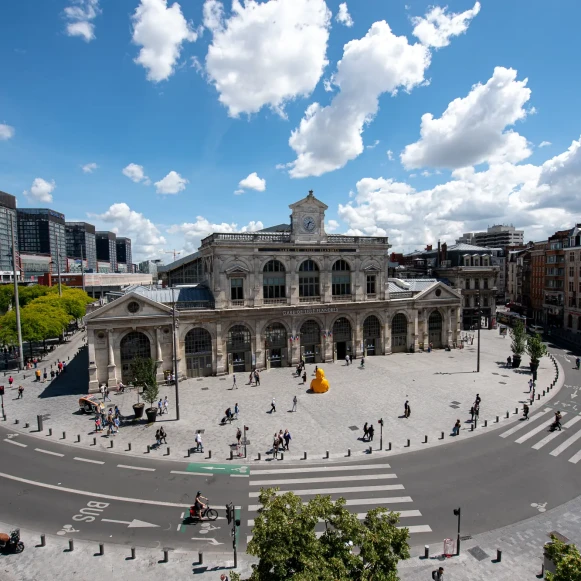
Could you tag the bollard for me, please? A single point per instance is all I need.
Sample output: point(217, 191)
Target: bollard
point(26, 425)
point(442, 436)
point(132, 553)
point(426, 551)
point(167, 453)
point(408, 444)
point(42, 541)
point(200, 558)
point(485, 423)
point(497, 419)
point(231, 455)
point(165, 556)
point(64, 436)
point(304, 455)
point(16, 421)
point(369, 450)
point(348, 452)
point(189, 452)
point(516, 410)
point(507, 415)
point(498, 555)
point(71, 545)
point(327, 455)
point(49, 430)
point(210, 454)
point(543, 392)
point(94, 441)
point(78, 438)
point(258, 456)
point(111, 444)
point(148, 449)
point(471, 427)
point(282, 455)
point(389, 446)
point(425, 439)
point(39, 423)
point(101, 549)
point(129, 447)
point(538, 396)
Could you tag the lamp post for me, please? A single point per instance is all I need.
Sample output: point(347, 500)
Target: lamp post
point(16, 299)
point(457, 512)
point(479, 315)
point(58, 264)
point(175, 325)
point(380, 422)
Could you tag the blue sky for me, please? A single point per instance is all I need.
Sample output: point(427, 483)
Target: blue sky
point(175, 105)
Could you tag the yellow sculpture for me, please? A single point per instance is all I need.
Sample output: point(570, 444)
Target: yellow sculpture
point(320, 384)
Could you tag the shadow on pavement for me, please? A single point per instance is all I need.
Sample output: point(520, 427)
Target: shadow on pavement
point(74, 381)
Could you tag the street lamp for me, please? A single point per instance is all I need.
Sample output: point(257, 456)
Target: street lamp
point(175, 325)
point(457, 512)
point(380, 422)
point(479, 315)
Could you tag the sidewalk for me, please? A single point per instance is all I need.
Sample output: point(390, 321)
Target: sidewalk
point(440, 386)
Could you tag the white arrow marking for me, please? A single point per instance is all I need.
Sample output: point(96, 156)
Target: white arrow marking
point(134, 524)
point(574, 394)
point(213, 468)
point(211, 541)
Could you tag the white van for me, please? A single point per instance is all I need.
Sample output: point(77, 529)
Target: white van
point(534, 329)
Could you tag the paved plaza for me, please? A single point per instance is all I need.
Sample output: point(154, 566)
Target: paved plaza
point(440, 387)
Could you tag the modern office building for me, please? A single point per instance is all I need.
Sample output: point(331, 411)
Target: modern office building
point(7, 217)
point(81, 245)
point(498, 236)
point(106, 243)
point(41, 231)
point(267, 299)
point(124, 258)
point(150, 267)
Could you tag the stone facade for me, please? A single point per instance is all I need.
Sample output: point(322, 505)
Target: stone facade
point(277, 296)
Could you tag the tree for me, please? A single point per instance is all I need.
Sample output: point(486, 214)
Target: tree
point(144, 371)
point(284, 540)
point(536, 349)
point(518, 336)
point(567, 561)
point(151, 393)
point(6, 297)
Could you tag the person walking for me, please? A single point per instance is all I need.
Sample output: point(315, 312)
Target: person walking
point(456, 428)
point(295, 400)
point(20, 392)
point(199, 445)
point(365, 432)
point(238, 435)
point(525, 411)
point(287, 439)
point(52, 374)
point(347, 360)
point(304, 377)
point(10, 380)
point(165, 405)
point(236, 410)
point(477, 400)
point(406, 409)
point(273, 405)
point(250, 378)
point(438, 574)
point(37, 374)
point(472, 414)
point(234, 386)
point(162, 435)
point(275, 445)
point(98, 427)
point(106, 391)
point(533, 396)
point(256, 377)
point(44, 375)
point(531, 384)
point(116, 424)
point(371, 431)
point(158, 438)
point(160, 407)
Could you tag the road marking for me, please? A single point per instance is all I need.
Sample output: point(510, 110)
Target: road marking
point(354, 502)
point(534, 432)
point(135, 468)
point(93, 494)
point(566, 444)
point(209, 541)
point(16, 443)
point(188, 473)
point(524, 423)
point(132, 524)
point(88, 460)
point(347, 489)
point(363, 515)
point(574, 459)
point(239, 475)
point(48, 452)
point(255, 472)
point(220, 468)
point(556, 433)
point(327, 479)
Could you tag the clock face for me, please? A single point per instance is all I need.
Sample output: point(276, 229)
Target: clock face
point(308, 223)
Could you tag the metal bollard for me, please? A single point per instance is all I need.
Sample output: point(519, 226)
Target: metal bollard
point(282, 455)
point(485, 423)
point(408, 444)
point(94, 441)
point(71, 545)
point(304, 455)
point(16, 421)
point(348, 452)
point(209, 454)
point(442, 436)
point(389, 446)
point(165, 556)
point(543, 392)
point(111, 444)
point(498, 555)
point(538, 396)
point(39, 423)
point(507, 415)
point(425, 439)
point(258, 456)
point(471, 427)
point(26, 425)
point(64, 436)
point(132, 553)
point(497, 419)
point(101, 549)
point(426, 551)
point(49, 430)
point(200, 558)
point(129, 446)
point(189, 452)
point(148, 449)
point(369, 450)
point(42, 541)
point(231, 455)
point(516, 410)
point(327, 455)
point(168, 451)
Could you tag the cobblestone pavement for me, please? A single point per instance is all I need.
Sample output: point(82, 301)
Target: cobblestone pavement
point(440, 386)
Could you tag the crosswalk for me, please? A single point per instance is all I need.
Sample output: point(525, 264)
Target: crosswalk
point(536, 432)
point(363, 487)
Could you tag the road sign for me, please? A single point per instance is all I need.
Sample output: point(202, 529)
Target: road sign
point(201, 468)
point(133, 524)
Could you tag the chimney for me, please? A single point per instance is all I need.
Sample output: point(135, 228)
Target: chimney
point(428, 247)
point(438, 259)
point(444, 251)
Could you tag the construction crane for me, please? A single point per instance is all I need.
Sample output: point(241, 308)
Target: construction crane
point(174, 252)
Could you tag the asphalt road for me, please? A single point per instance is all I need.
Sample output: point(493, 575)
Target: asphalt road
point(99, 496)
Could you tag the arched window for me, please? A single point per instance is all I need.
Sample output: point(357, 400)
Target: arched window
point(273, 280)
point(310, 333)
point(399, 333)
point(198, 341)
point(275, 336)
point(371, 328)
point(476, 260)
point(238, 339)
point(435, 328)
point(341, 330)
point(341, 278)
point(309, 279)
point(133, 346)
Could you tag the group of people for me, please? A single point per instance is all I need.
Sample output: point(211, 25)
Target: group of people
point(111, 421)
point(254, 378)
point(474, 413)
point(281, 442)
point(230, 415)
point(302, 372)
point(163, 406)
point(368, 431)
point(160, 435)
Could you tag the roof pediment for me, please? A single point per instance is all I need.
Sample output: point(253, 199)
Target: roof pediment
point(438, 292)
point(237, 270)
point(309, 201)
point(118, 308)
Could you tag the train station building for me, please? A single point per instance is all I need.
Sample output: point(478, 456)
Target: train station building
point(267, 299)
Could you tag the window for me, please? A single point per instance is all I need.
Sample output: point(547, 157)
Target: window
point(570, 321)
point(485, 301)
point(571, 301)
point(371, 284)
point(341, 278)
point(485, 261)
point(571, 257)
point(571, 271)
point(476, 260)
point(551, 259)
point(485, 283)
point(133, 307)
point(274, 283)
point(466, 260)
point(237, 289)
point(476, 283)
point(309, 279)
point(571, 286)
point(580, 286)
point(467, 284)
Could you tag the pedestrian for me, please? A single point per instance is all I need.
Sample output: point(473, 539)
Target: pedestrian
point(456, 428)
point(37, 374)
point(117, 412)
point(223, 577)
point(438, 574)
point(287, 439)
point(64, 367)
point(406, 409)
point(477, 400)
point(509, 361)
point(525, 411)
point(98, 427)
point(52, 377)
point(273, 405)
point(106, 392)
point(162, 435)
point(295, 400)
point(531, 384)
point(116, 423)
point(158, 438)
point(250, 378)
point(365, 432)
point(199, 445)
point(234, 386)
point(256, 377)
point(60, 366)
point(304, 377)
point(45, 375)
point(20, 392)
point(362, 364)
point(238, 435)
point(11, 380)
point(347, 359)
point(472, 414)
point(533, 396)
point(275, 444)
point(165, 405)
point(160, 407)
point(370, 431)
point(236, 410)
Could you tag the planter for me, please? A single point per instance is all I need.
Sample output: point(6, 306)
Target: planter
point(138, 410)
point(151, 414)
point(534, 366)
point(516, 360)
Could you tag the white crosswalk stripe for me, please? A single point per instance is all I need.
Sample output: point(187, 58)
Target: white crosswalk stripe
point(373, 491)
point(524, 424)
point(535, 431)
point(556, 433)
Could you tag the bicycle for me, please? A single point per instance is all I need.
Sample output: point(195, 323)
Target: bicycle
point(207, 513)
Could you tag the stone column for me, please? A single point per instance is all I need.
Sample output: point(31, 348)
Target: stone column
point(258, 347)
point(158, 354)
point(326, 281)
point(449, 326)
point(293, 282)
point(220, 366)
point(358, 336)
point(93, 371)
point(111, 367)
point(426, 333)
point(416, 331)
point(387, 335)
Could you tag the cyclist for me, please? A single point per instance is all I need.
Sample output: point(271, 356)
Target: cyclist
point(199, 506)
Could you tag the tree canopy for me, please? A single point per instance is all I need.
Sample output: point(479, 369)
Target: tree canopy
point(567, 561)
point(518, 335)
point(536, 348)
point(285, 541)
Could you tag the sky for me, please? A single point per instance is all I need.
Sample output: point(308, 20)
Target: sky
point(167, 121)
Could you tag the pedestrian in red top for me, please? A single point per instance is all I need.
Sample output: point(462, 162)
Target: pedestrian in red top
point(11, 380)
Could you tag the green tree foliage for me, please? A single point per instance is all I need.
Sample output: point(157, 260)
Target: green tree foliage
point(73, 301)
point(536, 348)
point(284, 540)
point(27, 294)
point(151, 393)
point(144, 371)
point(518, 335)
point(6, 297)
point(567, 561)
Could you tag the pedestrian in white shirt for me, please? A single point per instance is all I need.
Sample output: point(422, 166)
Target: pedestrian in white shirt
point(165, 405)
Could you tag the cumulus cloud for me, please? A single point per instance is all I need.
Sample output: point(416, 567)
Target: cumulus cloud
point(79, 16)
point(541, 199)
point(145, 236)
point(545, 143)
point(40, 191)
point(160, 31)
point(136, 173)
point(89, 167)
point(331, 226)
point(193, 232)
point(390, 155)
point(265, 54)
point(472, 129)
point(172, 183)
point(373, 145)
point(437, 27)
point(6, 132)
point(343, 15)
point(253, 182)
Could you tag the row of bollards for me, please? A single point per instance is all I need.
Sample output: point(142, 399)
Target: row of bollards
point(498, 554)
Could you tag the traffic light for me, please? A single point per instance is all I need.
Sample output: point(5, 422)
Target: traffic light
point(380, 422)
point(1, 390)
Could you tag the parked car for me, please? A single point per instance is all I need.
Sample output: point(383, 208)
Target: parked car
point(91, 404)
point(536, 329)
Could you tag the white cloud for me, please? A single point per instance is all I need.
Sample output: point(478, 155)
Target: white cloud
point(373, 145)
point(390, 155)
point(89, 167)
point(79, 16)
point(545, 143)
point(331, 226)
point(266, 53)
point(426, 174)
point(253, 182)
point(172, 183)
point(40, 191)
point(6, 132)
point(146, 238)
point(472, 129)
point(380, 62)
point(437, 27)
point(135, 173)
point(193, 232)
point(238, 192)
point(160, 31)
point(343, 15)
point(539, 199)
